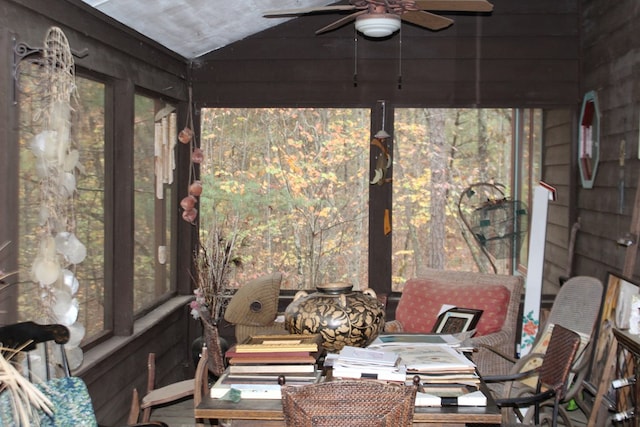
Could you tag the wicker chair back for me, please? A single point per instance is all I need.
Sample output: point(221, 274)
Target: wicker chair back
point(361, 403)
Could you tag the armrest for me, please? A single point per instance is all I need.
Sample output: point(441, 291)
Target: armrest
point(509, 377)
point(526, 400)
point(498, 352)
point(496, 340)
point(489, 346)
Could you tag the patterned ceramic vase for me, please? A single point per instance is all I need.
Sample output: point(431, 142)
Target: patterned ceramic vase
point(340, 315)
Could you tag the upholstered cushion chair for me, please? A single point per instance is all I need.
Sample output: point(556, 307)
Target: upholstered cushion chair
point(498, 296)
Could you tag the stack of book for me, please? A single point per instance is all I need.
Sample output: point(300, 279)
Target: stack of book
point(258, 366)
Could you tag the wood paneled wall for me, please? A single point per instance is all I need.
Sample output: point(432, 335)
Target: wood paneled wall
point(524, 54)
point(560, 171)
point(611, 67)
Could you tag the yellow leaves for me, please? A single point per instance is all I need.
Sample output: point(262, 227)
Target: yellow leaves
point(232, 187)
point(325, 212)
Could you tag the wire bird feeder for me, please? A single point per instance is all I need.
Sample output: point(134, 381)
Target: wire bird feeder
point(497, 223)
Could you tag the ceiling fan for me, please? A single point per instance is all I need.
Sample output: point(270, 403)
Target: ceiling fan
point(381, 18)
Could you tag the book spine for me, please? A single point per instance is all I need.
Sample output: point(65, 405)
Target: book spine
point(271, 369)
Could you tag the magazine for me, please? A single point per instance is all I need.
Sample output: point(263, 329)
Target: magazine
point(384, 340)
point(431, 358)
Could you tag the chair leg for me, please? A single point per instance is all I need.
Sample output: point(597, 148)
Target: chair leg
point(151, 384)
point(134, 411)
point(201, 381)
point(146, 415)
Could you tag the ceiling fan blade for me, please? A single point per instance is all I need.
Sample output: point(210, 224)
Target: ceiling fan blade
point(340, 22)
point(427, 20)
point(455, 5)
point(295, 12)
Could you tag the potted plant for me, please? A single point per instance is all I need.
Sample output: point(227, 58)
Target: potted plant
point(214, 261)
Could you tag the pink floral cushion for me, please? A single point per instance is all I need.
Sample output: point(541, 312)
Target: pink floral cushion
point(422, 299)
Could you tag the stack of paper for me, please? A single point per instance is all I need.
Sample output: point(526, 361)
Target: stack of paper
point(433, 363)
point(450, 397)
point(434, 359)
point(355, 362)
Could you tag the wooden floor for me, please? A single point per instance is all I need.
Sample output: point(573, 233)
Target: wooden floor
point(176, 415)
point(181, 415)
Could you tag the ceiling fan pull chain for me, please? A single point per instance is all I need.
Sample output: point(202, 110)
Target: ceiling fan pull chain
point(400, 59)
point(355, 58)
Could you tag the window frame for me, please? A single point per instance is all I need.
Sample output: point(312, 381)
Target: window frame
point(119, 316)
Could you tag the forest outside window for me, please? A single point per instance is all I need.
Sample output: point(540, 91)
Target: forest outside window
point(152, 204)
point(441, 158)
point(298, 181)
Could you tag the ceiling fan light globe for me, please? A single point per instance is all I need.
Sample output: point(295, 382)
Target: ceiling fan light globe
point(378, 25)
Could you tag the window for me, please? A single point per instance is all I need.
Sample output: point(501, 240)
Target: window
point(441, 157)
point(528, 163)
point(85, 219)
point(151, 203)
point(298, 181)
point(84, 212)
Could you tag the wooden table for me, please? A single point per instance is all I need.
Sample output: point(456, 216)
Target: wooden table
point(254, 412)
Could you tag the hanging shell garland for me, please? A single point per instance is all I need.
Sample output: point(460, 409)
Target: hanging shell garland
point(57, 167)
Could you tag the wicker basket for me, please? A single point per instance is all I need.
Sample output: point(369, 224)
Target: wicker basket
point(360, 403)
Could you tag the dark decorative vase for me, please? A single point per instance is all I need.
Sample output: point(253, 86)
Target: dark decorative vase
point(340, 315)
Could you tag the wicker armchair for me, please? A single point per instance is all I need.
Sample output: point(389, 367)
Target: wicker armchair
point(550, 387)
point(576, 307)
point(358, 403)
point(498, 296)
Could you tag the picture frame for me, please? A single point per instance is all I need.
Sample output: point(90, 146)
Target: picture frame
point(614, 312)
point(457, 320)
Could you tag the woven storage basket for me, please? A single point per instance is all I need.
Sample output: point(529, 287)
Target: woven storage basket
point(360, 403)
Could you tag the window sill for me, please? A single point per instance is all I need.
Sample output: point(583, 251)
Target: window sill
point(114, 344)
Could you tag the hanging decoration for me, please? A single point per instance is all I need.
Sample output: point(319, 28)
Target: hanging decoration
point(165, 160)
point(189, 202)
point(497, 223)
point(383, 159)
point(58, 166)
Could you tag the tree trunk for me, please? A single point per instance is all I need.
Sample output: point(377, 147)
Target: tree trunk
point(438, 162)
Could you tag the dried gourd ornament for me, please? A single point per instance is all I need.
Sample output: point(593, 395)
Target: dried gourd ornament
point(185, 135)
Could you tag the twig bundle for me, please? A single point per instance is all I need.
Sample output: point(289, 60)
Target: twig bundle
point(25, 398)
